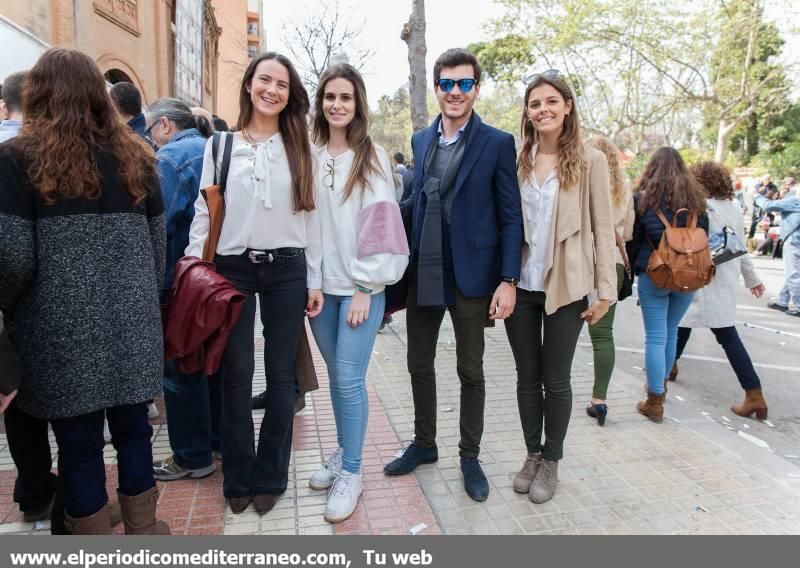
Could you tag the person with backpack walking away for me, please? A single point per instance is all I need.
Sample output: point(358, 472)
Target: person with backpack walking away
point(669, 254)
point(714, 307)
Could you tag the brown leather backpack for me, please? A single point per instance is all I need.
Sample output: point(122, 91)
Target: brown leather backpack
point(682, 261)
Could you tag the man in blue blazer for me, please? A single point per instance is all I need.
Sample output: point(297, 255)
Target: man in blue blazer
point(466, 237)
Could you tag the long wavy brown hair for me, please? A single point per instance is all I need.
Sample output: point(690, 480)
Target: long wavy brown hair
point(666, 182)
point(68, 118)
point(715, 179)
point(617, 179)
point(292, 125)
point(365, 159)
point(570, 162)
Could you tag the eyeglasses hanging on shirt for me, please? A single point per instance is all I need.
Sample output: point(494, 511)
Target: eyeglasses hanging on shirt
point(328, 169)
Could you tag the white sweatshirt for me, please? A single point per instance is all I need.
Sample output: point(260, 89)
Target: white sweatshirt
point(363, 239)
point(258, 206)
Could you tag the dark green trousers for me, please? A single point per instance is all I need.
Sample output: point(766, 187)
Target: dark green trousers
point(469, 317)
point(602, 334)
point(543, 348)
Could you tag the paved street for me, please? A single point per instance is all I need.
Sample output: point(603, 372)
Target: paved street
point(704, 470)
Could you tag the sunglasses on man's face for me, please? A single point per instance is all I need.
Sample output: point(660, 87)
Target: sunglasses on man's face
point(549, 74)
point(464, 85)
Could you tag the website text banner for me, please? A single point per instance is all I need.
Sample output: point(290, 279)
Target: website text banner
point(392, 552)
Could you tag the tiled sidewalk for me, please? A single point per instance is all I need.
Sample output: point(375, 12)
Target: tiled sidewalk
point(683, 476)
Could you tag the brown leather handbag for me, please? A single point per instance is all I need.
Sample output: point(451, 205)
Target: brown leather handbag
point(682, 262)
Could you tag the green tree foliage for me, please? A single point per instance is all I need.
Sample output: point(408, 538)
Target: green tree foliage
point(391, 123)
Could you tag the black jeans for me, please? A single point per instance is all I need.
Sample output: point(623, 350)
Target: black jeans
point(30, 449)
point(544, 369)
point(265, 470)
point(80, 456)
point(737, 355)
point(469, 318)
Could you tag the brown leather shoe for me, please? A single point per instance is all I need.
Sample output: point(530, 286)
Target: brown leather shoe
point(653, 407)
point(673, 374)
point(753, 403)
point(239, 504)
point(264, 502)
point(524, 477)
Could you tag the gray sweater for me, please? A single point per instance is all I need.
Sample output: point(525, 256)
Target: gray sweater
point(79, 283)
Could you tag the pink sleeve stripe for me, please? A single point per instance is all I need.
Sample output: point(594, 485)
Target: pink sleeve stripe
point(380, 230)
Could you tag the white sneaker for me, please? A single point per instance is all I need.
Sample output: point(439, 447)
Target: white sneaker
point(324, 476)
point(343, 497)
point(152, 411)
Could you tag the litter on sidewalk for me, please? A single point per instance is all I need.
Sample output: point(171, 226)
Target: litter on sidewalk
point(418, 528)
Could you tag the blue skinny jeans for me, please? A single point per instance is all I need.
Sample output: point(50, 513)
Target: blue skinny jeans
point(662, 311)
point(346, 352)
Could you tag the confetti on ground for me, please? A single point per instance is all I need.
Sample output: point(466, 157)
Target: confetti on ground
point(675, 420)
point(638, 368)
point(701, 508)
point(447, 409)
point(768, 423)
point(752, 439)
point(792, 456)
point(746, 426)
point(794, 475)
point(418, 528)
point(680, 398)
point(725, 418)
point(704, 413)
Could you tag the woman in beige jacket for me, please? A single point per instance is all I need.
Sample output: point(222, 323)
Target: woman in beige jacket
point(602, 333)
point(570, 252)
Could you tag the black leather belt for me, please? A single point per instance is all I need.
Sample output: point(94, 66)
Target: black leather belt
point(262, 256)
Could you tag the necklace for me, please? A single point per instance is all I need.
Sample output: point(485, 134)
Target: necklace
point(538, 151)
point(252, 139)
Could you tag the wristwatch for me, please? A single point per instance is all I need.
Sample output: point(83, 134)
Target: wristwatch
point(513, 281)
point(363, 289)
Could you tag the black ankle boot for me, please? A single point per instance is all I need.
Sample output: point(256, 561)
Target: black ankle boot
point(598, 411)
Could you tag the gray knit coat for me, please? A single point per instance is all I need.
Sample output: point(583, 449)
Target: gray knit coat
point(79, 282)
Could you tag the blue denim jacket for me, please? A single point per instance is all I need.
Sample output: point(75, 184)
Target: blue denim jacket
point(180, 163)
point(789, 208)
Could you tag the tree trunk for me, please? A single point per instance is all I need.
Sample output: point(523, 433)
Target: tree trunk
point(414, 35)
point(722, 140)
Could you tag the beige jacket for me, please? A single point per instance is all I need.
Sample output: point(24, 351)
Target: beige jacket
point(583, 239)
point(624, 216)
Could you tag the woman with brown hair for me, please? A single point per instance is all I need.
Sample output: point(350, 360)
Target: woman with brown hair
point(270, 246)
point(666, 186)
point(569, 234)
point(602, 333)
point(365, 249)
point(714, 307)
point(82, 242)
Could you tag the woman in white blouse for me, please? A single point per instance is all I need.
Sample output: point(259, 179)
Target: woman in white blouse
point(569, 235)
point(270, 245)
point(365, 249)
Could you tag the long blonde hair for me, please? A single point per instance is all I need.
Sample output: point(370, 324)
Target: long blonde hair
point(570, 161)
point(611, 152)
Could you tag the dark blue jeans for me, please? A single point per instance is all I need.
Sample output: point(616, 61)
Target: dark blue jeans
point(80, 456)
point(737, 355)
point(247, 469)
point(194, 408)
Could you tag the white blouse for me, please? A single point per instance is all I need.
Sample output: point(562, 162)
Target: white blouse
point(539, 203)
point(258, 206)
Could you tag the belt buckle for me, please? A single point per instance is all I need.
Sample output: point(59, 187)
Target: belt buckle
point(259, 257)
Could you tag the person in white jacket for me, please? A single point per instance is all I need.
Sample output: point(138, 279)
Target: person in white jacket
point(714, 306)
point(364, 249)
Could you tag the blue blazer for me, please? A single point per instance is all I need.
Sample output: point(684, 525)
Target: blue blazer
point(486, 226)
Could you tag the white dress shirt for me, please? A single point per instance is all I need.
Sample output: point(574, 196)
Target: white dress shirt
point(258, 206)
point(538, 203)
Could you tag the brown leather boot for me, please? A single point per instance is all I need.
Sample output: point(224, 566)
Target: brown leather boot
point(139, 513)
point(99, 523)
point(673, 374)
point(753, 403)
point(653, 407)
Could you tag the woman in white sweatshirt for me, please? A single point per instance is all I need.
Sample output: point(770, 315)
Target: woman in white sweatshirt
point(364, 249)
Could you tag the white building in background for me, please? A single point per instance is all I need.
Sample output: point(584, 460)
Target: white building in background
point(189, 27)
point(25, 46)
